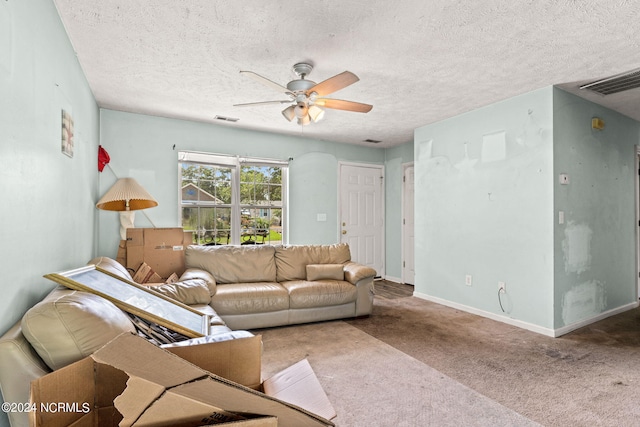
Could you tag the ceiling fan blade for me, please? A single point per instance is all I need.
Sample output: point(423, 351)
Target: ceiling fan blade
point(335, 83)
point(249, 104)
point(339, 104)
point(265, 81)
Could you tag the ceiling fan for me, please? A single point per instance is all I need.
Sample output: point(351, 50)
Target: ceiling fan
point(307, 97)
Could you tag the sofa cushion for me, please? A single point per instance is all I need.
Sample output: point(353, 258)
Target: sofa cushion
point(292, 260)
point(69, 325)
point(321, 293)
point(194, 291)
point(325, 272)
point(234, 264)
point(246, 298)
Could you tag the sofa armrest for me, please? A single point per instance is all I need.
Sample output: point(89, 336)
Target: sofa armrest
point(196, 273)
point(354, 272)
point(20, 365)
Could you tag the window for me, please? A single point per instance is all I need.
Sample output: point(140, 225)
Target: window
point(233, 200)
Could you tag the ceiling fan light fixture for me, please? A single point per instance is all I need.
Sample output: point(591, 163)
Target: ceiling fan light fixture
point(316, 113)
point(289, 113)
point(303, 121)
point(301, 110)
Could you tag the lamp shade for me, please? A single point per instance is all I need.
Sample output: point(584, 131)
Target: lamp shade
point(289, 113)
point(316, 113)
point(126, 195)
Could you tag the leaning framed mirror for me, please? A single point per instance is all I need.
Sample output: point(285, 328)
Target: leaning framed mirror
point(136, 299)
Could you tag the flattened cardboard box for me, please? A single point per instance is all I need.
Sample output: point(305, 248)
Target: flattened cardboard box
point(161, 248)
point(131, 382)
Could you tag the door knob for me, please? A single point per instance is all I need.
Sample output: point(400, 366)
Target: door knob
point(344, 231)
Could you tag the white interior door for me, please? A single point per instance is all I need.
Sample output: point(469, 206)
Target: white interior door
point(638, 218)
point(408, 240)
point(361, 214)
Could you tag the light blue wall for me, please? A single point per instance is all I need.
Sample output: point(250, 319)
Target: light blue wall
point(393, 171)
point(312, 191)
point(489, 207)
point(595, 249)
point(47, 210)
point(484, 208)
point(146, 148)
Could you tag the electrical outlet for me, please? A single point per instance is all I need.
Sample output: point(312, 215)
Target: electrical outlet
point(468, 280)
point(502, 287)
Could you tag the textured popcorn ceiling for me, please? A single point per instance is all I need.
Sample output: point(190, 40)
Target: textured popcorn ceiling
point(419, 61)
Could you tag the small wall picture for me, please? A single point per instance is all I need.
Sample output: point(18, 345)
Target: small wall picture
point(67, 133)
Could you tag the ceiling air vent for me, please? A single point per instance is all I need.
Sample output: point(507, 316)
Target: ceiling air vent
point(615, 84)
point(372, 141)
point(226, 119)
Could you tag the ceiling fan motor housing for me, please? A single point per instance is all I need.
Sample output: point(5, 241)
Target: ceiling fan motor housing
point(300, 85)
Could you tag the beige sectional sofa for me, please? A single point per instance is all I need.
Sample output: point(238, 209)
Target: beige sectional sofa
point(262, 286)
point(242, 287)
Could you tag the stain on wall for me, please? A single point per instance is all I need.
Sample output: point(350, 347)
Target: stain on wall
point(576, 247)
point(494, 147)
point(584, 301)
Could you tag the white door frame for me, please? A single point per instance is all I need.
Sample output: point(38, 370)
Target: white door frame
point(382, 206)
point(405, 166)
point(637, 223)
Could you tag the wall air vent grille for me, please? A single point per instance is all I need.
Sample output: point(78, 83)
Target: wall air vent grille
point(226, 119)
point(615, 84)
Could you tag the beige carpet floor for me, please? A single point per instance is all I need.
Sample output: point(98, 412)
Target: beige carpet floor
point(372, 384)
point(590, 377)
point(417, 363)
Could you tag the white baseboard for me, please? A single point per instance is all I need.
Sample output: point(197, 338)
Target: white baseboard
point(514, 322)
point(601, 316)
point(393, 279)
point(554, 333)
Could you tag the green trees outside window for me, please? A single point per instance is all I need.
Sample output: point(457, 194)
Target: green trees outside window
point(224, 205)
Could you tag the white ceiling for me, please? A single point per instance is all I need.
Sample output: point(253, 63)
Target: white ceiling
point(419, 61)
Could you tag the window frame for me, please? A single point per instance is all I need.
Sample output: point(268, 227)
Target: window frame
point(235, 163)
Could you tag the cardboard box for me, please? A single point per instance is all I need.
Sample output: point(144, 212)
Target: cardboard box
point(131, 382)
point(145, 274)
point(161, 248)
point(121, 257)
point(238, 360)
point(298, 383)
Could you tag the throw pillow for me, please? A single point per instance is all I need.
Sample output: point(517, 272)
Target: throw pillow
point(325, 272)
